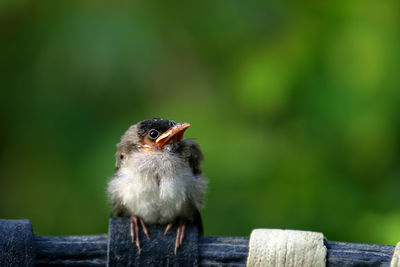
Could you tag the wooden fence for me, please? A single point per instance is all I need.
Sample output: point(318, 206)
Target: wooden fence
point(20, 247)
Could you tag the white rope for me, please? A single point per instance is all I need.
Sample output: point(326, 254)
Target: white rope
point(274, 247)
point(396, 257)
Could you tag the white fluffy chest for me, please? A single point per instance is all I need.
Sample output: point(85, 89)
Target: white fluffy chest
point(154, 186)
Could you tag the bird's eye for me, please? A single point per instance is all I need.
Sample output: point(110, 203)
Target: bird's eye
point(153, 133)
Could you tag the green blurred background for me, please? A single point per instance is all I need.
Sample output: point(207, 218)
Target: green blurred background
point(296, 107)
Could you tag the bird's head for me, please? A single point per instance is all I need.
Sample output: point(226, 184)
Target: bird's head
point(152, 135)
point(159, 134)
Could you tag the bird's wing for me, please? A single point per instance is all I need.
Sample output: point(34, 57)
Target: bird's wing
point(119, 210)
point(191, 152)
point(199, 222)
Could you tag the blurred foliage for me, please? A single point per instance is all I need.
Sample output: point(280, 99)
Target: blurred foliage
point(296, 107)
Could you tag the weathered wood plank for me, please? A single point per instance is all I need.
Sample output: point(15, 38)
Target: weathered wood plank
point(355, 254)
point(213, 251)
point(71, 250)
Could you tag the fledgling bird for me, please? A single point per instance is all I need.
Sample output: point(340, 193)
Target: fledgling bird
point(158, 179)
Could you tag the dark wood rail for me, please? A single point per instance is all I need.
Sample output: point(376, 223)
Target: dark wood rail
point(93, 250)
point(213, 251)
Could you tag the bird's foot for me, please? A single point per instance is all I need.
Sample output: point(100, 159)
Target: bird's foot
point(135, 231)
point(180, 233)
point(169, 226)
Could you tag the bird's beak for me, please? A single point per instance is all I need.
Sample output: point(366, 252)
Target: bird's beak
point(172, 133)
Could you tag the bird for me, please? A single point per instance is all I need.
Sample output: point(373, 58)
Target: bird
point(158, 178)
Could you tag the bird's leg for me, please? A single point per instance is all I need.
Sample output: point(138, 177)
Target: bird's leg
point(132, 228)
point(180, 233)
point(146, 232)
point(135, 231)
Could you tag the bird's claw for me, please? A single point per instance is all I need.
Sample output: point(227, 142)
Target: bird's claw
point(146, 232)
point(169, 226)
point(135, 231)
point(180, 234)
point(134, 221)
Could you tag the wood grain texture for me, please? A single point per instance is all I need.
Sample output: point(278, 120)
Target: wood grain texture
point(16, 243)
point(213, 251)
point(71, 250)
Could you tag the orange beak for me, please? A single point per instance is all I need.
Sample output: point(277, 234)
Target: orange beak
point(173, 133)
